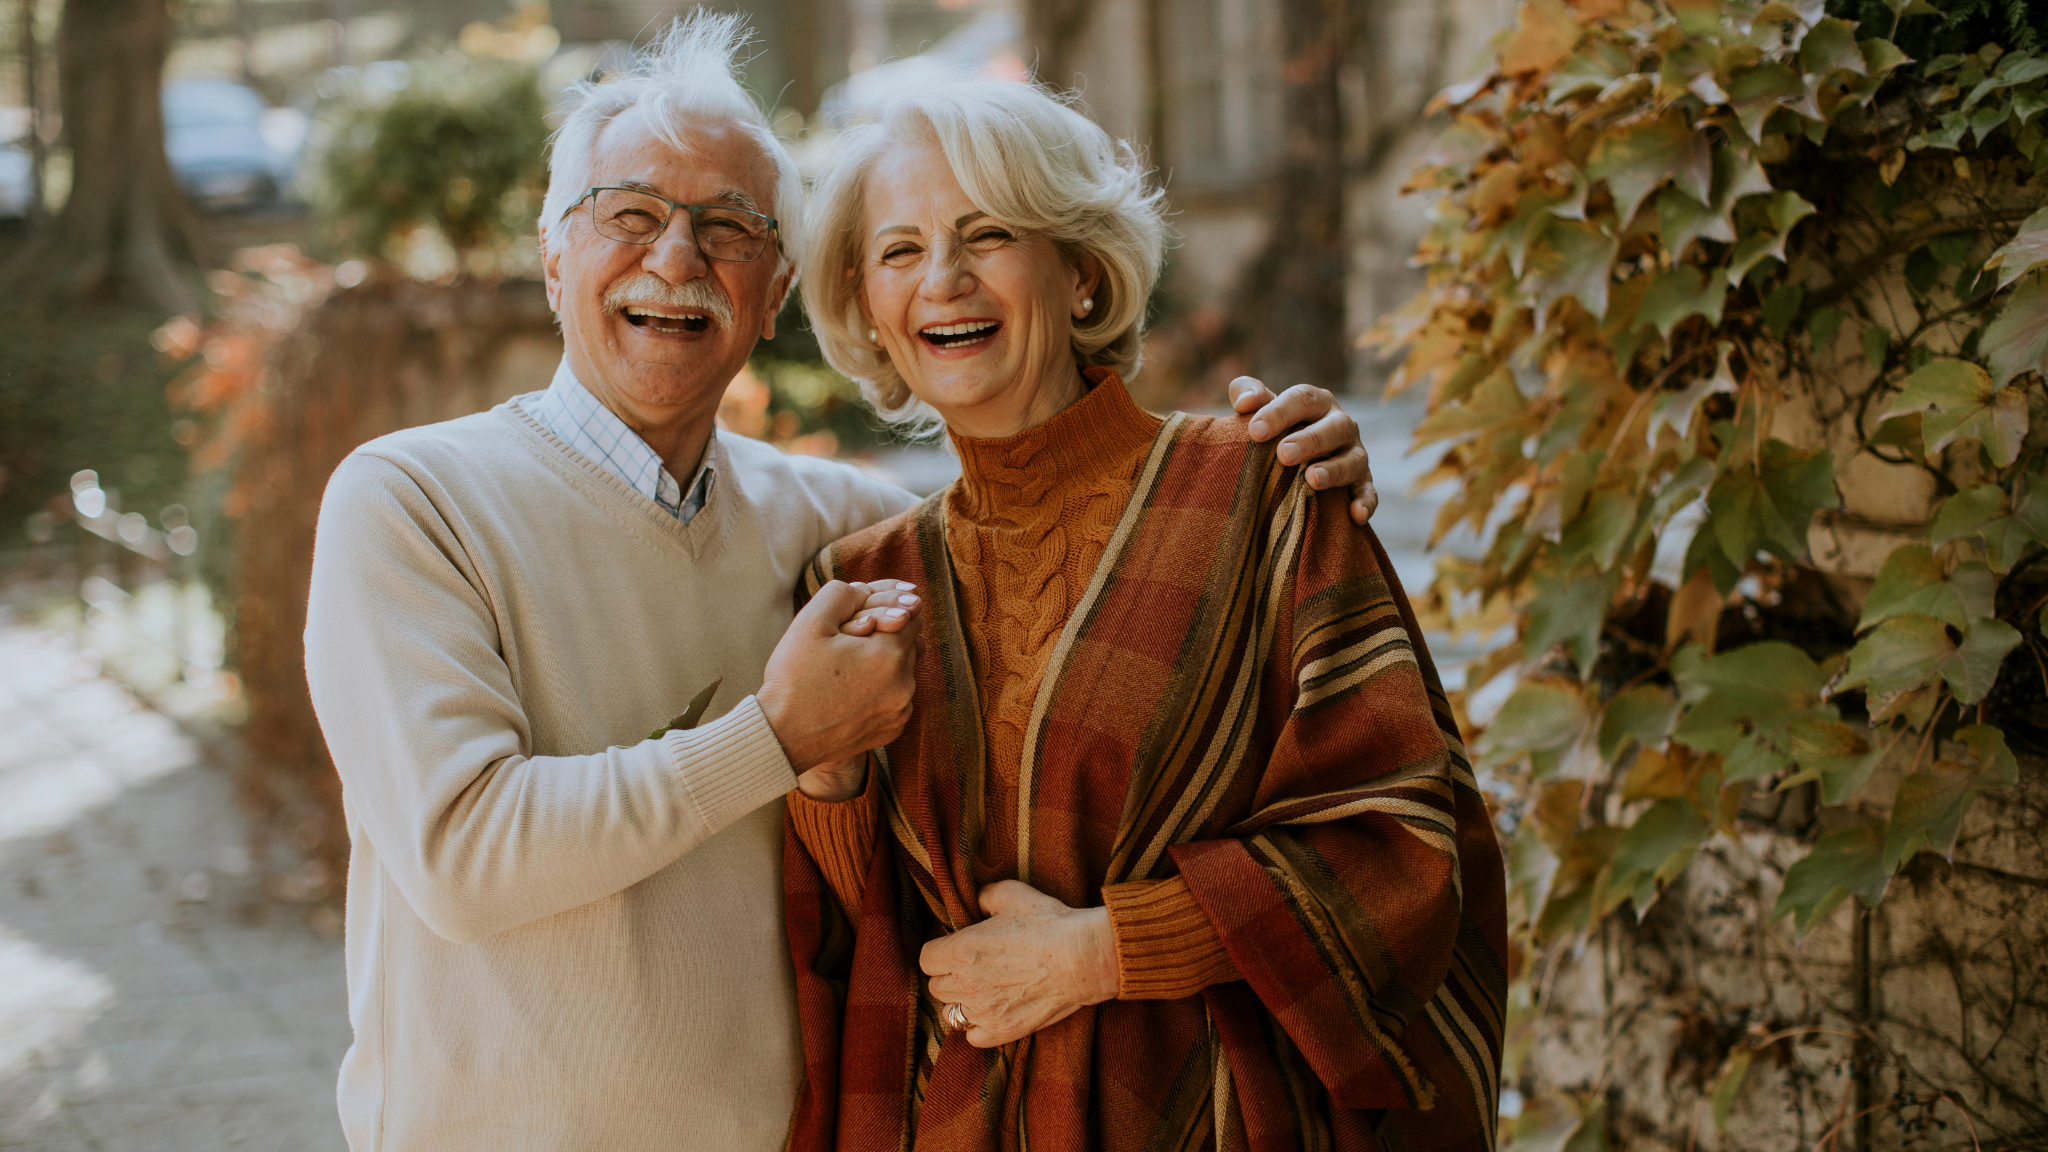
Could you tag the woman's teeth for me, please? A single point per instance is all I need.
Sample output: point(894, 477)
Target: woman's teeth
point(955, 335)
point(667, 322)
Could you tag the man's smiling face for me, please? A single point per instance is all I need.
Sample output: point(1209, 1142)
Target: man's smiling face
point(652, 329)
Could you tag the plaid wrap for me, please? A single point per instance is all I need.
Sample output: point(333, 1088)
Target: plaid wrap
point(1241, 697)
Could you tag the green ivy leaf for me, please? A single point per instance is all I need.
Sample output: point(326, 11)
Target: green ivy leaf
point(1964, 403)
point(1569, 906)
point(1644, 712)
point(1837, 755)
point(1595, 535)
point(2009, 528)
point(1568, 611)
point(1781, 306)
point(1875, 343)
point(1772, 506)
point(1649, 854)
point(1822, 327)
point(1636, 159)
point(1594, 66)
point(1903, 652)
point(1757, 687)
point(1760, 90)
point(1912, 581)
point(1682, 218)
point(1728, 1084)
point(2027, 250)
point(1973, 667)
point(1881, 56)
point(1678, 292)
point(1921, 271)
point(1784, 209)
point(1540, 715)
point(1572, 259)
point(2017, 340)
point(1844, 863)
point(1928, 811)
point(1830, 46)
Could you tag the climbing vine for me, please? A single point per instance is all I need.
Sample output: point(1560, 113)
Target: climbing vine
point(1715, 287)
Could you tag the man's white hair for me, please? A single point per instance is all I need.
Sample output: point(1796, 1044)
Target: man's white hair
point(689, 73)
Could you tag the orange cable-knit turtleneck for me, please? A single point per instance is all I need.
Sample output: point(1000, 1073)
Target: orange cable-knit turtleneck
point(1026, 526)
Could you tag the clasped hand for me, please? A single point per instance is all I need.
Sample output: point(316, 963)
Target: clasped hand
point(840, 681)
point(1031, 964)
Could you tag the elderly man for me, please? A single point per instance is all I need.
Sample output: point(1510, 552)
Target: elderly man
point(563, 933)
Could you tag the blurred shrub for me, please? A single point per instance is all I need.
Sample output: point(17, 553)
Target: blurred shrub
point(438, 166)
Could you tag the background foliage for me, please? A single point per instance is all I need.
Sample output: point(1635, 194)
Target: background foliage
point(1697, 268)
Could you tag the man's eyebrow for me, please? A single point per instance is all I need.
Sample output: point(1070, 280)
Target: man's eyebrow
point(732, 196)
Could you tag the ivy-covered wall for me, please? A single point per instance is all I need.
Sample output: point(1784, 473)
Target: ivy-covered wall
point(1735, 324)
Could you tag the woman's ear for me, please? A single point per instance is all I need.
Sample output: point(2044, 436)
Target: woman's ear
point(1087, 278)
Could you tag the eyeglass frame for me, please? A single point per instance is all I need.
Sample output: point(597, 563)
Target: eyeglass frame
point(774, 225)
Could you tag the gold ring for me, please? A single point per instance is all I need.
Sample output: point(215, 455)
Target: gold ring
point(956, 1018)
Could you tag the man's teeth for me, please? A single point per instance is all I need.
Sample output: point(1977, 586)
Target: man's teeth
point(675, 321)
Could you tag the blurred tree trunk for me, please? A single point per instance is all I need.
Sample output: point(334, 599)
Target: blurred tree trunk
point(1053, 28)
point(1288, 320)
point(126, 229)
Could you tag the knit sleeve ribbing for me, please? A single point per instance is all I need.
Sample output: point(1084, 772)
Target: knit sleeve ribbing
point(840, 837)
point(1165, 946)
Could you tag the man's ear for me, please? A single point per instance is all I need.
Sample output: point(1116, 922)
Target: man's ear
point(780, 291)
point(551, 272)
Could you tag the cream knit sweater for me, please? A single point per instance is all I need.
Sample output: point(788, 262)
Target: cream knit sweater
point(561, 934)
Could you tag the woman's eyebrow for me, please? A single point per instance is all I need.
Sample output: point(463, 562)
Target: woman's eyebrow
point(908, 229)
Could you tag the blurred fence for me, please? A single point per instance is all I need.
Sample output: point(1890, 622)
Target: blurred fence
point(297, 375)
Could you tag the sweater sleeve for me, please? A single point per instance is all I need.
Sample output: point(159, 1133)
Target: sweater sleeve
point(403, 657)
point(1165, 946)
point(840, 838)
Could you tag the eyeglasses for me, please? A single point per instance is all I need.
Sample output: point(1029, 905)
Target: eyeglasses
point(631, 216)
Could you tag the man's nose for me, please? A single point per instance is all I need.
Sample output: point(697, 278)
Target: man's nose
point(674, 256)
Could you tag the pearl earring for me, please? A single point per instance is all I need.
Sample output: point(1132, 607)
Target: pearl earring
point(874, 337)
point(1087, 305)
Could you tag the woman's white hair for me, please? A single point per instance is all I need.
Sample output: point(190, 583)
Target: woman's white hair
point(1026, 158)
point(690, 72)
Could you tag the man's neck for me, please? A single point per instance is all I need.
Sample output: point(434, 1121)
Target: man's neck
point(677, 433)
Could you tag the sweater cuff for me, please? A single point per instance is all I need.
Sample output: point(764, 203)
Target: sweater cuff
point(1166, 948)
point(840, 838)
point(732, 765)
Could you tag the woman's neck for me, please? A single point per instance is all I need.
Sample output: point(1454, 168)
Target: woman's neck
point(1099, 435)
point(1017, 411)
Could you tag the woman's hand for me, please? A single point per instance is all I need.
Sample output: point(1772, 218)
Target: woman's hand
point(1332, 441)
point(891, 606)
point(1029, 965)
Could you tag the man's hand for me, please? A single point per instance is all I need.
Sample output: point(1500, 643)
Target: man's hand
point(1332, 441)
point(1028, 966)
point(831, 696)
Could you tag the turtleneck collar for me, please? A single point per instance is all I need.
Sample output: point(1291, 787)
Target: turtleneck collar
point(1097, 434)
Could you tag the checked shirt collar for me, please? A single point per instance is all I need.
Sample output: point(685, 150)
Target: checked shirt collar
point(569, 411)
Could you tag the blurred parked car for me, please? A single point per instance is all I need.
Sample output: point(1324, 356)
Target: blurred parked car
point(15, 165)
point(15, 171)
point(227, 146)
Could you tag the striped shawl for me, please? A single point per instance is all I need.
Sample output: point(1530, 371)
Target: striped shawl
point(1241, 697)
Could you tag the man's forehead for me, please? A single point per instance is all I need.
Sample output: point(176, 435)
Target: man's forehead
point(721, 163)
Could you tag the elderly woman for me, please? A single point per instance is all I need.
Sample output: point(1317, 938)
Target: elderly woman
point(1181, 848)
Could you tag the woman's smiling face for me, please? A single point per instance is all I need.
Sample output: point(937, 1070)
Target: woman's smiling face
point(976, 314)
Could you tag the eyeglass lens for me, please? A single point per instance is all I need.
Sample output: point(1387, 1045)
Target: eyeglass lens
point(636, 218)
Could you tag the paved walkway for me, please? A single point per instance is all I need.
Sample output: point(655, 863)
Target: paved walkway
point(150, 998)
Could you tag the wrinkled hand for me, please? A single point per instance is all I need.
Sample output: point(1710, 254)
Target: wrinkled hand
point(1031, 964)
point(831, 696)
point(891, 606)
point(1332, 441)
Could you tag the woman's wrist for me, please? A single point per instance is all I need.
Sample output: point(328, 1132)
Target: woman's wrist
point(837, 782)
point(1098, 978)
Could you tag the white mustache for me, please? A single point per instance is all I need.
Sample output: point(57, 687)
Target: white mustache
point(645, 288)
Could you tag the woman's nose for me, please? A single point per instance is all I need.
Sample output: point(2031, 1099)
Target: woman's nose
point(945, 274)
